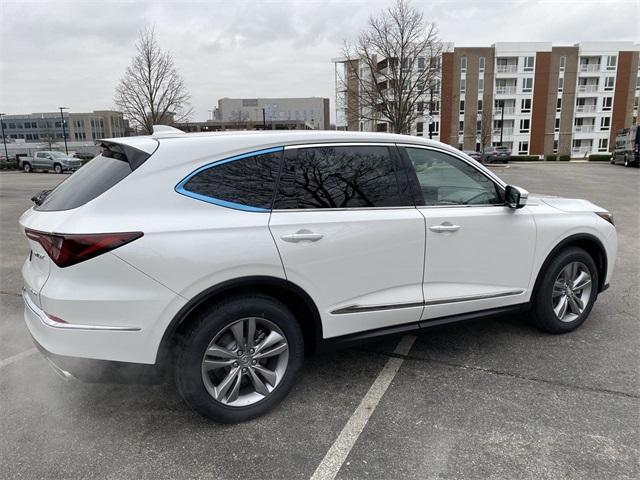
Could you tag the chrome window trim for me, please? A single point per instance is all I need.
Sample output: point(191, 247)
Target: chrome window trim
point(340, 144)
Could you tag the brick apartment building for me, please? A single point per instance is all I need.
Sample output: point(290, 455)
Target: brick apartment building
point(539, 98)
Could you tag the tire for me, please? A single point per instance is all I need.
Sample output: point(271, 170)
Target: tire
point(214, 330)
point(26, 167)
point(58, 168)
point(547, 302)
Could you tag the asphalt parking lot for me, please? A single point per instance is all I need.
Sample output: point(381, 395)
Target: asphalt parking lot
point(488, 399)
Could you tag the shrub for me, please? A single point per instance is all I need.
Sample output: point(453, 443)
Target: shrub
point(599, 157)
point(564, 158)
point(551, 158)
point(524, 158)
point(8, 165)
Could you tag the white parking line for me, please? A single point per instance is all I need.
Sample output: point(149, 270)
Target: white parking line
point(17, 357)
point(337, 454)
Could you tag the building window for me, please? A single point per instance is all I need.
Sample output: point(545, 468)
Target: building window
point(607, 104)
point(557, 126)
point(463, 84)
point(478, 126)
point(555, 145)
point(481, 64)
point(525, 105)
point(603, 144)
point(608, 83)
point(419, 128)
point(560, 83)
point(525, 125)
point(563, 62)
point(463, 64)
point(421, 63)
point(461, 106)
point(605, 123)
point(435, 127)
point(481, 85)
point(638, 82)
point(523, 148)
point(527, 84)
point(461, 127)
point(611, 62)
point(420, 108)
point(528, 64)
point(559, 104)
point(479, 105)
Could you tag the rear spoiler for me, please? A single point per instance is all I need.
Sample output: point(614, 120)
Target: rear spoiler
point(133, 150)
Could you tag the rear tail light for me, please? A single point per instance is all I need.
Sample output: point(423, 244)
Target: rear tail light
point(67, 250)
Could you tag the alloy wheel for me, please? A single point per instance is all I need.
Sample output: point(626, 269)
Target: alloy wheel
point(245, 362)
point(571, 291)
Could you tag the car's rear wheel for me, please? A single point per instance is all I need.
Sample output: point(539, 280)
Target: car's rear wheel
point(566, 292)
point(26, 167)
point(240, 359)
point(57, 168)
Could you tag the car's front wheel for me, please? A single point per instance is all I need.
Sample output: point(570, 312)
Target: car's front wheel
point(239, 359)
point(566, 292)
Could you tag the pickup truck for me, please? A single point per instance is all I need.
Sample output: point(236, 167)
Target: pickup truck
point(49, 160)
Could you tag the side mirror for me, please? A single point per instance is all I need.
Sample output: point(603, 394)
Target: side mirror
point(515, 197)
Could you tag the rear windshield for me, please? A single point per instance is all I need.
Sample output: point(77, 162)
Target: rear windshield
point(95, 178)
point(502, 148)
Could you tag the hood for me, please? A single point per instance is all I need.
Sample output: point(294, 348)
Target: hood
point(565, 204)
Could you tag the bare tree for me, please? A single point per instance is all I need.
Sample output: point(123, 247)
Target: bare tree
point(486, 127)
point(152, 91)
point(393, 65)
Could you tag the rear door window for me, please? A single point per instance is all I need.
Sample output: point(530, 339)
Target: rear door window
point(339, 177)
point(246, 182)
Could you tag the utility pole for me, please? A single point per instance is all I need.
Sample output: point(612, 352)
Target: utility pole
point(501, 120)
point(4, 139)
point(64, 130)
point(430, 111)
point(264, 119)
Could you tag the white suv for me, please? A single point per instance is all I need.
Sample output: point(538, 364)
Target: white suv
point(223, 258)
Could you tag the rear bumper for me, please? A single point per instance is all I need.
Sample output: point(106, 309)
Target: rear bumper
point(103, 371)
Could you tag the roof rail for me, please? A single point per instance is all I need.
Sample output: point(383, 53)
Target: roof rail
point(165, 131)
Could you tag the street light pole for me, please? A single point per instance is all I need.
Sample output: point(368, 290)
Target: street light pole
point(4, 139)
point(64, 130)
point(430, 112)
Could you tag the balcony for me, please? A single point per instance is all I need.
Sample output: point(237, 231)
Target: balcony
point(506, 68)
point(585, 108)
point(583, 128)
point(589, 67)
point(506, 131)
point(497, 112)
point(505, 90)
point(591, 88)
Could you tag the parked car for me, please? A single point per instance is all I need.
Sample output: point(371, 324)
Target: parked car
point(226, 257)
point(473, 154)
point(49, 160)
point(496, 154)
point(627, 148)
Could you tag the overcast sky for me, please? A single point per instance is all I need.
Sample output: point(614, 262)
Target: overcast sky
point(72, 54)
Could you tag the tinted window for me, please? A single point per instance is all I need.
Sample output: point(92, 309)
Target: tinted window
point(446, 180)
point(95, 178)
point(244, 182)
point(338, 177)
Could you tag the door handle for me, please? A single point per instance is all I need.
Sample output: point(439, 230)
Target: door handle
point(301, 236)
point(445, 227)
